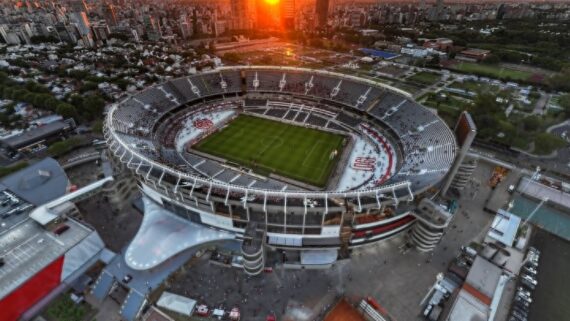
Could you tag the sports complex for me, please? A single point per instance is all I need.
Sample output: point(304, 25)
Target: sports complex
point(282, 159)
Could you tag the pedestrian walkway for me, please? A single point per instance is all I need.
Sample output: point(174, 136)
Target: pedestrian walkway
point(103, 285)
point(132, 305)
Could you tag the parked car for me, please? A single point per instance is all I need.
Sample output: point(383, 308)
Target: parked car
point(523, 290)
point(521, 303)
point(523, 298)
point(528, 284)
point(61, 229)
point(530, 270)
point(127, 278)
point(518, 318)
point(521, 311)
point(519, 315)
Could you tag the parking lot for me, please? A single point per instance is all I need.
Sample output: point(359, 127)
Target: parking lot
point(551, 297)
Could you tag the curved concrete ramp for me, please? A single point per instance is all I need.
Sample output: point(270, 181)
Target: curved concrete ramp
point(163, 234)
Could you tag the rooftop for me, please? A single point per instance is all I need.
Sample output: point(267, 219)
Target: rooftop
point(176, 303)
point(504, 227)
point(35, 134)
point(27, 248)
point(475, 51)
point(484, 276)
point(343, 311)
point(432, 214)
point(540, 191)
point(467, 308)
point(38, 183)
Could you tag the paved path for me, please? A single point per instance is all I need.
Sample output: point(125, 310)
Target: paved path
point(539, 106)
point(396, 279)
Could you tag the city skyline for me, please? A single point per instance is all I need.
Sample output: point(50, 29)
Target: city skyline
point(272, 160)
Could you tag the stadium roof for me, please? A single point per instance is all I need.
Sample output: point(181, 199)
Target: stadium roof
point(38, 183)
point(163, 234)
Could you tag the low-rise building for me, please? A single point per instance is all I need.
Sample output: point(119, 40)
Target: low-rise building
point(41, 259)
point(480, 294)
point(473, 55)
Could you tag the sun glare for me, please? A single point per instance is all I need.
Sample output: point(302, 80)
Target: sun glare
point(271, 2)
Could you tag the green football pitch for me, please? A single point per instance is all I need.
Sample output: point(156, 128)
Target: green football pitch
point(268, 146)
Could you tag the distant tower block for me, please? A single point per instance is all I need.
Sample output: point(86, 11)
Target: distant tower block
point(439, 10)
point(322, 12)
point(465, 131)
point(432, 220)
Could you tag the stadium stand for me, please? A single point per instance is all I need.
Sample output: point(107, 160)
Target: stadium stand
point(143, 132)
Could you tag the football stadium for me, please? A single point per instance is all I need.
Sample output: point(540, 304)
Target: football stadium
point(279, 158)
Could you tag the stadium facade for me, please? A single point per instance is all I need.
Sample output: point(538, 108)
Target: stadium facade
point(395, 152)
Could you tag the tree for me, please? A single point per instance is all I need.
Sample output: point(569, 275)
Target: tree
point(492, 59)
point(122, 83)
point(231, 56)
point(97, 127)
point(266, 60)
point(546, 143)
point(93, 106)
point(560, 81)
point(64, 146)
point(66, 110)
point(532, 123)
point(87, 86)
point(564, 102)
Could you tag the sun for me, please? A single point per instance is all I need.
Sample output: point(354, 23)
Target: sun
point(271, 2)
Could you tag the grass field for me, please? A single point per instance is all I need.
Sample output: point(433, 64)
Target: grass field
point(267, 146)
point(492, 71)
point(425, 78)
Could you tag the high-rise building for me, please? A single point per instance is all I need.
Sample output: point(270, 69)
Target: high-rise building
point(151, 27)
point(185, 30)
point(80, 20)
point(240, 13)
point(78, 17)
point(78, 6)
point(267, 14)
point(101, 30)
point(288, 14)
point(439, 9)
point(109, 15)
point(322, 12)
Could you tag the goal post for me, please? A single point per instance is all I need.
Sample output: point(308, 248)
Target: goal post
point(333, 154)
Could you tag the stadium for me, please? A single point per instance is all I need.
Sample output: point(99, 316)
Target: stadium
point(288, 159)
